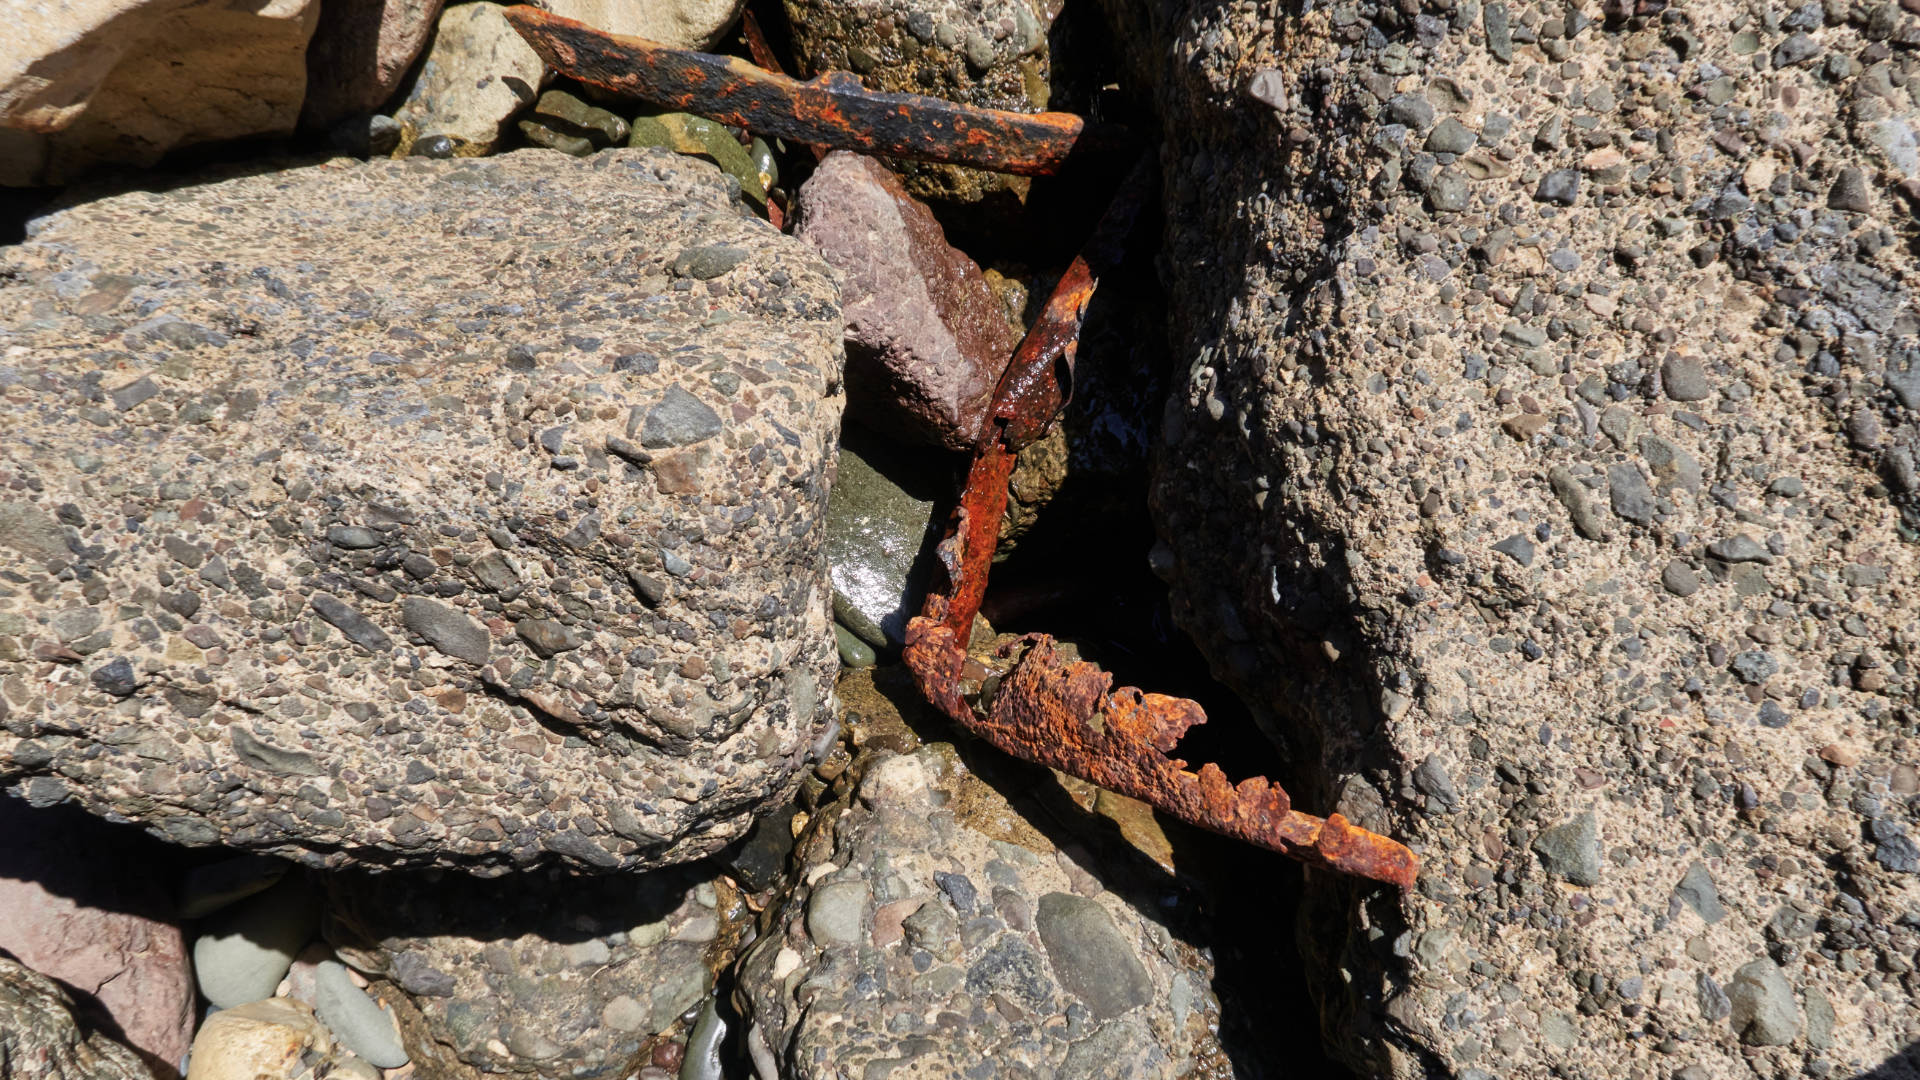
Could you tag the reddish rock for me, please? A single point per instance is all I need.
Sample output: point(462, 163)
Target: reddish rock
point(926, 340)
point(359, 53)
point(85, 904)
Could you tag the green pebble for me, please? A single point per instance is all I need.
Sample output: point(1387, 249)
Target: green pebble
point(853, 652)
point(564, 112)
point(684, 133)
point(542, 135)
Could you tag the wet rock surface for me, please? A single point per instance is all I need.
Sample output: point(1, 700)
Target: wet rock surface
point(537, 975)
point(883, 522)
point(1650, 276)
point(359, 557)
point(41, 1039)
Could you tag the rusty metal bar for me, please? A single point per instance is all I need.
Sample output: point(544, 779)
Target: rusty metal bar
point(833, 110)
point(1059, 712)
point(757, 43)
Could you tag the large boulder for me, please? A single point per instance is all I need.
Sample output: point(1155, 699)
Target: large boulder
point(418, 513)
point(1544, 471)
point(121, 82)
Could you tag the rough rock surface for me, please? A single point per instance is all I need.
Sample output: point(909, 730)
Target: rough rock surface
point(991, 53)
point(1545, 443)
point(87, 83)
point(359, 53)
point(935, 932)
point(536, 975)
point(926, 338)
point(689, 24)
point(462, 514)
point(88, 903)
point(40, 1039)
point(478, 73)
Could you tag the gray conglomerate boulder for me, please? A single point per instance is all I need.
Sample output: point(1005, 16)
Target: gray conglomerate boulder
point(40, 1038)
point(418, 513)
point(995, 54)
point(539, 975)
point(1543, 469)
point(935, 932)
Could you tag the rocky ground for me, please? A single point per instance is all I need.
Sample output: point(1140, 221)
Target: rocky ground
point(446, 628)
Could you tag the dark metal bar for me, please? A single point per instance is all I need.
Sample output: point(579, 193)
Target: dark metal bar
point(833, 110)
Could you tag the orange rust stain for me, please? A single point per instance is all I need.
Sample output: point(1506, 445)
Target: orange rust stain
point(833, 110)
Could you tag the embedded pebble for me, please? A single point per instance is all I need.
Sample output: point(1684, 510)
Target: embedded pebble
point(1763, 1009)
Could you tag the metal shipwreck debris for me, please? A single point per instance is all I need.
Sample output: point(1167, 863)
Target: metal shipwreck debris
point(1061, 712)
point(833, 110)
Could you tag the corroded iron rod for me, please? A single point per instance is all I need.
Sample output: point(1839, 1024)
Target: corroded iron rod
point(1060, 712)
point(833, 110)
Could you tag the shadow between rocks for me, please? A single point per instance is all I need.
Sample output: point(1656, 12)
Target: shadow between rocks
point(560, 907)
point(1904, 1065)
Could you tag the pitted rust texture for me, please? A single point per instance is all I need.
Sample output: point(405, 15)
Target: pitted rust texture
point(1060, 712)
point(833, 110)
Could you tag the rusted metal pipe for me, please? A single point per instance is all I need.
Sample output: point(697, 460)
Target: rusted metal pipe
point(833, 110)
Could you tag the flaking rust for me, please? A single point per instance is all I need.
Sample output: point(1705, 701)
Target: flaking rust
point(833, 110)
point(1062, 712)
